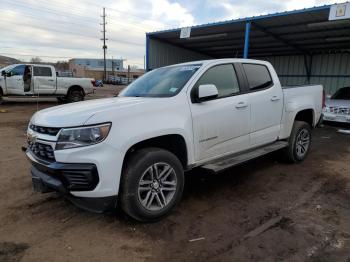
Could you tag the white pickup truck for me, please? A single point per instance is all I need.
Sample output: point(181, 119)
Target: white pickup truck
point(133, 150)
point(42, 80)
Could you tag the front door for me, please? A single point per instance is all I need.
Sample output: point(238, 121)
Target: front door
point(14, 80)
point(221, 126)
point(44, 80)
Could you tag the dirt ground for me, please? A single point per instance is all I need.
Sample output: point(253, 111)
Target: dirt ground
point(264, 210)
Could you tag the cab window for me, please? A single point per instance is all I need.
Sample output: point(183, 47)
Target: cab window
point(258, 76)
point(223, 77)
point(42, 71)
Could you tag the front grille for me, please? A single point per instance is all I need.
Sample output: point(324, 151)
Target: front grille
point(51, 131)
point(42, 151)
point(339, 110)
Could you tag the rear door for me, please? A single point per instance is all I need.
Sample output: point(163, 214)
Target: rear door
point(266, 99)
point(44, 80)
point(221, 126)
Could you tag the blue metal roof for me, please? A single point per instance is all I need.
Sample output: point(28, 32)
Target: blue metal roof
point(252, 18)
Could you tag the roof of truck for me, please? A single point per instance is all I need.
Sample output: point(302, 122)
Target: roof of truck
point(231, 60)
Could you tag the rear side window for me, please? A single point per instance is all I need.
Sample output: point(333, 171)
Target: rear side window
point(42, 71)
point(258, 76)
point(223, 77)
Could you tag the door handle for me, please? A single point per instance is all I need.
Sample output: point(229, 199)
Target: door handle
point(51, 80)
point(242, 105)
point(275, 98)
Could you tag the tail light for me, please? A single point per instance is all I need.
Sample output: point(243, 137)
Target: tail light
point(323, 99)
point(93, 82)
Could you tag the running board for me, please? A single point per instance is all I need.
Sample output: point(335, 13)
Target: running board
point(226, 163)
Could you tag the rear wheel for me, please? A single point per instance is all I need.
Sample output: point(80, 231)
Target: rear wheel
point(299, 142)
point(75, 95)
point(151, 184)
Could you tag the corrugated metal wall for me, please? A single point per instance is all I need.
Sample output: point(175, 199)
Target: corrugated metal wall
point(330, 70)
point(163, 54)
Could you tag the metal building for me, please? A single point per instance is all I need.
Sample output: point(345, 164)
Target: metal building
point(306, 46)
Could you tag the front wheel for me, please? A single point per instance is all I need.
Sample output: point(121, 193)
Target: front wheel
point(299, 142)
point(151, 185)
point(1, 97)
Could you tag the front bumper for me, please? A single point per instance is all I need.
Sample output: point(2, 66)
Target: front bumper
point(65, 178)
point(336, 117)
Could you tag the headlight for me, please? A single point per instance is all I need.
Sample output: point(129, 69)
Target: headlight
point(82, 136)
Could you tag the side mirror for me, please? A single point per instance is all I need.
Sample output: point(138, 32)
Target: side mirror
point(3, 73)
point(207, 92)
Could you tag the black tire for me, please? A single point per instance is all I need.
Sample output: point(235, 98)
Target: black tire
point(134, 169)
point(291, 153)
point(75, 95)
point(1, 97)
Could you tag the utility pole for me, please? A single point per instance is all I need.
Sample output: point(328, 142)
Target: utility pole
point(112, 66)
point(128, 74)
point(104, 39)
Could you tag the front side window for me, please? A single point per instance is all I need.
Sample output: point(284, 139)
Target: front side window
point(223, 77)
point(162, 82)
point(258, 76)
point(42, 71)
point(18, 70)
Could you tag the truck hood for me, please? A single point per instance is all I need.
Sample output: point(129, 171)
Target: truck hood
point(337, 103)
point(76, 114)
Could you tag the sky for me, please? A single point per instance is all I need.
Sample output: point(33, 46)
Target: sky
point(58, 30)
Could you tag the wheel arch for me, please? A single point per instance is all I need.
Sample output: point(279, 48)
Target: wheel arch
point(173, 143)
point(76, 87)
point(306, 115)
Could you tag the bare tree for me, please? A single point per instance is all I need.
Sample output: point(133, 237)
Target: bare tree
point(36, 60)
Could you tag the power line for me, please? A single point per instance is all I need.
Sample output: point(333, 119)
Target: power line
point(71, 33)
point(87, 23)
point(83, 16)
point(110, 9)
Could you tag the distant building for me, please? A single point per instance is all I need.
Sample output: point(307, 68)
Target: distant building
point(93, 64)
point(93, 68)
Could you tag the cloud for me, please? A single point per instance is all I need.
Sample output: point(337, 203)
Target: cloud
point(171, 12)
point(72, 29)
point(65, 28)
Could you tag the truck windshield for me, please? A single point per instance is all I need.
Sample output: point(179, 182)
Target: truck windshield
point(343, 93)
point(162, 82)
point(8, 68)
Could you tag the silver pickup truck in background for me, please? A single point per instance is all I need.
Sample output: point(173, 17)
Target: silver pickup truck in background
point(42, 80)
